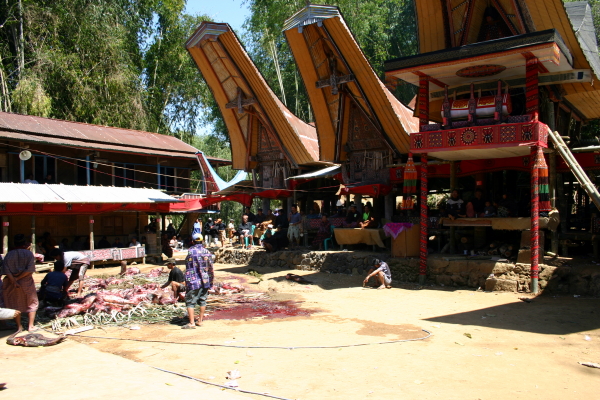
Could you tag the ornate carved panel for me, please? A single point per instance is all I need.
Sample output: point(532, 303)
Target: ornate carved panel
point(267, 148)
point(367, 167)
point(272, 174)
point(362, 135)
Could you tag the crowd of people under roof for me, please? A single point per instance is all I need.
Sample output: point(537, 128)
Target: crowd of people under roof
point(275, 229)
point(478, 206)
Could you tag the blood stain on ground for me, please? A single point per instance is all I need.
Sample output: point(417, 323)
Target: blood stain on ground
point(263, 309)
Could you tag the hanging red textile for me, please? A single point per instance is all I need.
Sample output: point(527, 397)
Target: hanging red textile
point(410, 184)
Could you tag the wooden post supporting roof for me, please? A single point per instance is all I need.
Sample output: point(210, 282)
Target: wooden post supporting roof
point(423, 102)
point(531, 88)
point(424, 238)
point(535, 244)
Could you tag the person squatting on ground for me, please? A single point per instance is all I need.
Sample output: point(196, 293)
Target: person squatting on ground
point(199, 276)
point(77, 262)
point(18, 286)
point(382, 273)
point(176, 279)
point(54, 285)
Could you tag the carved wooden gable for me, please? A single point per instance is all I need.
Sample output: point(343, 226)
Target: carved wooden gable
point(362, 135)
point(273, 167)
point(267, 147)
point(368, 153)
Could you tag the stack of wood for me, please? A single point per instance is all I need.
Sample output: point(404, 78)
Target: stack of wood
point(497, 248)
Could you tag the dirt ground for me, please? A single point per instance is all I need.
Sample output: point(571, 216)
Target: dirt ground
point(515, 350)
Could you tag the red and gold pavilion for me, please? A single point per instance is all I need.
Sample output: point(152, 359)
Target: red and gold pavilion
point(492, 77)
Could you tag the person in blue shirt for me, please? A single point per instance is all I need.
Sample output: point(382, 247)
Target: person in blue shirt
point(54, 285)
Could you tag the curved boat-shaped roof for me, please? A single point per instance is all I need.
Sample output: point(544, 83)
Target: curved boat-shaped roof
point(572, 20)
point(246, 101)
point(323, 46)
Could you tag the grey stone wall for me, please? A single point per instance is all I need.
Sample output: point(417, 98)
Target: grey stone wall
point(485, 274)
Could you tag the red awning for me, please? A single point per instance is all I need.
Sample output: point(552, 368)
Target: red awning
point(274, 194)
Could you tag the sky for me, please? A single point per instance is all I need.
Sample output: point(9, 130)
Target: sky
point(234, 12)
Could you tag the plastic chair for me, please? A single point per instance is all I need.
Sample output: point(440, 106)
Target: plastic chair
point(329, 239)
point(251, 236)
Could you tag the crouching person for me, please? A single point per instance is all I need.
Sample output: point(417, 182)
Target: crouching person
point(176, 280)
point(77, 262)
point(199, 276)
point(54, 285)
point(381, 271)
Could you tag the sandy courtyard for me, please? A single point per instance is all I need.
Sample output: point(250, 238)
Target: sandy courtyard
point(515, 350)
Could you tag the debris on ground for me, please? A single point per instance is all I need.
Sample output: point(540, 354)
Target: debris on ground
point(525, 299)
point(590, 364)
point(298, 279)
point(468, 335)
point(33, 340)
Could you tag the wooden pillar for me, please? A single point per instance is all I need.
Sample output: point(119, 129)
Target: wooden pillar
point(91, 221)
point(535, 215)
point(531, 88)
point(452, 187)
point(158, 236)
point(423, 102)
point(266, 204)
point(389, 206)
point(424, 239)
point(5, 234)
point(358, 202)
point(563, 209)
point(33, 234)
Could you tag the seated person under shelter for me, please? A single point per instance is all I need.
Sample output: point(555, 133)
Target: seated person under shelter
point(323, 233)
point(245, 231)
point(176, 280)
point(54, 285)
point(259, 229)
point(381, 272)
point(369, 221)
point(476, 207)
point(295, 228)
point(352, 218)
point(455, 206)
point(275, 241)
point(103, 243)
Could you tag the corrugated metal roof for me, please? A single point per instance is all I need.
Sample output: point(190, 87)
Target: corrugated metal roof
point(32, 193)
point(67, 133)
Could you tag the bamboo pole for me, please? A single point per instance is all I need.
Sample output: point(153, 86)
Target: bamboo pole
point(579, 173)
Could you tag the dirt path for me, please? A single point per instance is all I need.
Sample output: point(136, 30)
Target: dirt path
point(517, 350)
